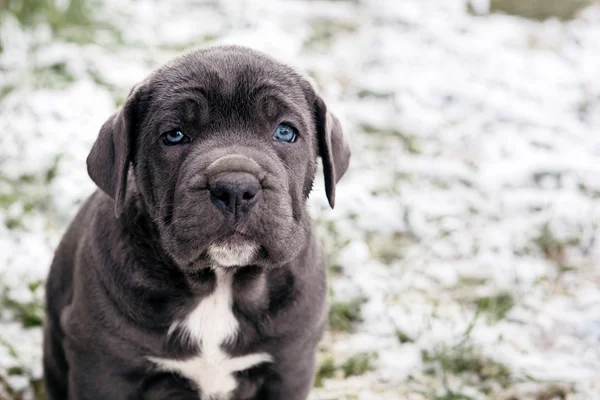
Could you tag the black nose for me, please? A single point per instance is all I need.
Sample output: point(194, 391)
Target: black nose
point(235, 192)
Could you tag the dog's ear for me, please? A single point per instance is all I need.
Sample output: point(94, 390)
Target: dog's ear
point(333, 148)
point(111, 154)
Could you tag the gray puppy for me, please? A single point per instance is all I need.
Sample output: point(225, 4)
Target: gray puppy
point(209, 283)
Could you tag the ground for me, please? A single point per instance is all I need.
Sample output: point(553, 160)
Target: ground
point(463, 251)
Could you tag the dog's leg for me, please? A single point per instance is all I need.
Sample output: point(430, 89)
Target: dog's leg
point(95, 377)
point(55, 365)
point(292, 375)
point(291, 382)
point(167, 386)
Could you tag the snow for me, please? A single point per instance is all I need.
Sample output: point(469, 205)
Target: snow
point(475, 144)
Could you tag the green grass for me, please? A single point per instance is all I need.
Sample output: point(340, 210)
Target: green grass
point(359, 364)
point(70, 20)
point(369, 94)
point(471, 281)
point(552, 392)
point(408, 141)
point(36, 384)
point(467, 362)
point(52, 170)
point(343, 315)
point(5, 90)
point(553, 248)
point(450, 395)
point(28, 192)
point(325, 370)
point(355, 365)
point(495, 307)
point(389, 248)
point(403, 337)
point(31, 12)
point(55, 76)
point(540, 9)
point(324, 30)
point(30, 314)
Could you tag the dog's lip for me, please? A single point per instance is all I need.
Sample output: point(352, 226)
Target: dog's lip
point(235, 237)
point(232, 238)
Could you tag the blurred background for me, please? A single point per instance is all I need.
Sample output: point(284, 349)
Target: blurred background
point(463, 253)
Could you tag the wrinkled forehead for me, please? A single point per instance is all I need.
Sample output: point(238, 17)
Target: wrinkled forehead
point(227, 82)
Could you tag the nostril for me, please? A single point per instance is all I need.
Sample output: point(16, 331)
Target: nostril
point(220, 192)
point(223, 196)
point(248, 195)
point(234, 192)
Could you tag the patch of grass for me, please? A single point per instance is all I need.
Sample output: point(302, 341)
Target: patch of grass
point(27, 178)
point(471, 281)
point(36, 385)
point(11, 350)
point(552, 392)
point(70, 20)
point(403, 337)
point(409, 142)
point(589, 191)
point(29, 192)
point(359, 364)
point(468, 362)
point(540, 9)
point(323, 31)
point(5, 90)
point(390, 247)
point(369, 94)
point(550, 246)
point(55, 76)
point(450, 395)
point(13, 223)
point(335, 270)
point(355, 365)
point(553, 248)
point(8, 199)
point(57, 14)
point(29, 314)
point(326, 370)
point(51, 172)
point(495, 307)
point(343, 315)
point(332, 239)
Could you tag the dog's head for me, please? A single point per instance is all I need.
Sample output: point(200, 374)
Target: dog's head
point(222, 144)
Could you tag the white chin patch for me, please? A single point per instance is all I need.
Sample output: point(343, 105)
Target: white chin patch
point(233, 255)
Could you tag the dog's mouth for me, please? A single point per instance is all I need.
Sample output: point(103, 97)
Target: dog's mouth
point(233, 251)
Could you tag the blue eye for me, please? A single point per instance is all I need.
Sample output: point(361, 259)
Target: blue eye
point(174, 136)
point(285, 133)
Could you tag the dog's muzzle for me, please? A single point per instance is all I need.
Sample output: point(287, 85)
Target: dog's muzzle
point(234, 182)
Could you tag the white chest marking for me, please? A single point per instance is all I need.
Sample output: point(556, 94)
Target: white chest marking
point(212, 324)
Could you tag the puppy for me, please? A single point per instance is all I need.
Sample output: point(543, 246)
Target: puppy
point(194, 272)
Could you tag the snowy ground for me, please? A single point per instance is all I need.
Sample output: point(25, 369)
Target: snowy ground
point(464, 252)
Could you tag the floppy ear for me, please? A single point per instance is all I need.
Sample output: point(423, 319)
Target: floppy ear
point(333, 148)
point(108, 161)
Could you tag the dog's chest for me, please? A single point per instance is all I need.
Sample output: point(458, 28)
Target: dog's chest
point(211, 324)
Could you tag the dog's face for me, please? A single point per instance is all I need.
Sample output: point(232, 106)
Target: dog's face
point(223, 144)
